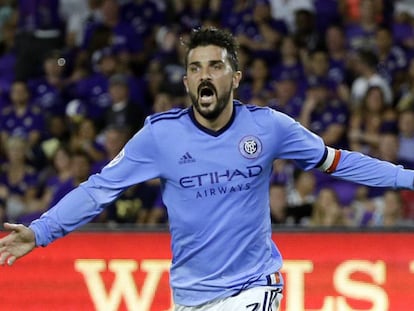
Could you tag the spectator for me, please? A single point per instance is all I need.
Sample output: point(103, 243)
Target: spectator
point(327, 211)
point(114, 140)
point(402, 28)
point(392, 59)
point(368, 121)
point(406, 135)
point(290, 63)
point(40, 30)
point(261, 33)
point(191, 14)
point(360, 32)
point(326, 13)
point(84, 139)
point(286, 9)
point(133, 206)
point(80, 166)
point(306, 35)
point(365, 69)
point(123, 112)
point(406, 99)
point(7, 61)
point(278, 203)
point(335, 43)
point(18, 180)
point(145, 25)
point(257, 83)
point(112, 31)
point(93, 90)
point(55, 177)
point(20, 119)
point(388, 151)
point(324, 114)
point(389, 211)
point(301, 198)
point(167, 67)
point(79, 15)
point(318, 67)
point(163, 101)
point(48, 90)
point(286, 98)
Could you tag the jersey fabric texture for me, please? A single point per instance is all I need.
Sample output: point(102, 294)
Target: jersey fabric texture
point(216, 189)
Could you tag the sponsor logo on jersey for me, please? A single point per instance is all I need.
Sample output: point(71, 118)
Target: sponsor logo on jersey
point(186, 158)
point(212, 178)
point(250, 147)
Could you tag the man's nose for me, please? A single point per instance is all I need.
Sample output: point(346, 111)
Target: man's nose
point(205, 74)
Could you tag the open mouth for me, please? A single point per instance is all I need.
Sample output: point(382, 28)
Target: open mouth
point(206, 93)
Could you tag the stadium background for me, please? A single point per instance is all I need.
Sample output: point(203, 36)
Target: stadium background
point(77, 78)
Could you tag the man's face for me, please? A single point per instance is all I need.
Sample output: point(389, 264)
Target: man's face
point(210, 80)
point(19, 93)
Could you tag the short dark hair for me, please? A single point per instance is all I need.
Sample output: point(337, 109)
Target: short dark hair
point(213, 36)
point(368, 57)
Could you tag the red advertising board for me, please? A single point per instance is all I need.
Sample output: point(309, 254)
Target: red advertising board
point(129, 271)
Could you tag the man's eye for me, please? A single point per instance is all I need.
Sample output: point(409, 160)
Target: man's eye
point(217, 66)
point(193, 69)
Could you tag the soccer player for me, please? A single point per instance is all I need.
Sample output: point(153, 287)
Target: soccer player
point(214, 160)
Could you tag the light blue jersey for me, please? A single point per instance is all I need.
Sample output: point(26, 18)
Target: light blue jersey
point(215, 186)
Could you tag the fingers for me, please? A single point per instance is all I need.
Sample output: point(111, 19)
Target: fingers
point(11, 260)
point(11, 227)
point(3, 257)
point(6, 257)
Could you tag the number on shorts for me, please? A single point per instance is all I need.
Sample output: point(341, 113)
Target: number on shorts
point(268, 300)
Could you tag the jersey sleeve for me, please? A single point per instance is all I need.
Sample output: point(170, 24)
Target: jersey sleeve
point(360, 168)
point(297, 143)
point(136, 163)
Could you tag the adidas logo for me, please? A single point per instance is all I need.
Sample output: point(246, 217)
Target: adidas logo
point(186, 158)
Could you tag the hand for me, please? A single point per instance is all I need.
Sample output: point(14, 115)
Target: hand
point(16, 244)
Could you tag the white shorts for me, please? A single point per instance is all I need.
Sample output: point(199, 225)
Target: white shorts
point(254, 299)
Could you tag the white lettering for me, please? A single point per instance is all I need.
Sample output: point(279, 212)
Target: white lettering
point(123, 286)
point(360, 290)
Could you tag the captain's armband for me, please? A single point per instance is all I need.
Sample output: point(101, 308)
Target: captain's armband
point(329, 161)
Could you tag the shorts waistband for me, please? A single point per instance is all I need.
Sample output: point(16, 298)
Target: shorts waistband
point(274, 278)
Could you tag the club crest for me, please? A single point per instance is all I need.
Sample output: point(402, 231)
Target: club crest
point(250, 147)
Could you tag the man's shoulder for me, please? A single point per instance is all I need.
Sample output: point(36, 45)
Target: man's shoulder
point(168, 116)
point(262, 113)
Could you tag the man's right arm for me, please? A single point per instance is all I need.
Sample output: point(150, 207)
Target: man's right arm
point(134, 164)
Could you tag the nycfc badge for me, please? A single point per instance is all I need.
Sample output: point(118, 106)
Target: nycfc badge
point(250, 147)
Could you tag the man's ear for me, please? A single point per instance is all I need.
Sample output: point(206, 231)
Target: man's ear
point(236, 79)
point(185, 83)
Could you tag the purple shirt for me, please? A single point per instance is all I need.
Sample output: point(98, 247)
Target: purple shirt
point(123, 38)
point(46, 96)
point(245, 91)
point(292, 108)
point(93, 90)
point(327, 14)
point(358, 38)
point(38, 15)
point(396, 61)
point(143, 16)
point(402, 32)
point(29, 180)
point(22, 125)
point(333, 112)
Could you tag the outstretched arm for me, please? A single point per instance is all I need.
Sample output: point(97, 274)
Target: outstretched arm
point(18, 243)
point(134, 164)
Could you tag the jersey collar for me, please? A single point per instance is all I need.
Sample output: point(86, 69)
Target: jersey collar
point(209, 131)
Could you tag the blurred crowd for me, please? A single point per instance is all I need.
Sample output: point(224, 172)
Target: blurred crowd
point(78, 78)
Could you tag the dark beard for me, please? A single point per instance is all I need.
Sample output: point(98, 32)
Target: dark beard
point(222, 102)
